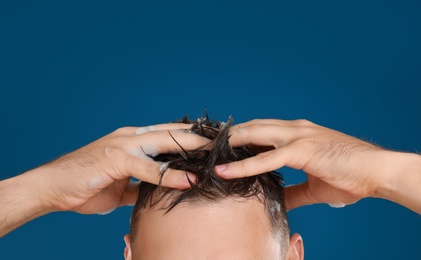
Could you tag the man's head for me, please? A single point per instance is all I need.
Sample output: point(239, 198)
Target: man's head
point(215, 218)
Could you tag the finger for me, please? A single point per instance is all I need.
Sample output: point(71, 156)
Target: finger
point(132, 130)
point(265, 135)
point(178, 179)
point(148, 170)
point(129, 197)
point(278, 122)
point(261, 163)
point(294, 155)
point(158, 142)
point(160, 127)
point(297, 196)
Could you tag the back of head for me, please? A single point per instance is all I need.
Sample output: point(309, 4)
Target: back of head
point(209, 188)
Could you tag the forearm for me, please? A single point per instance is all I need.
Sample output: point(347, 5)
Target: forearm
point(19, 201)
point(403, 183)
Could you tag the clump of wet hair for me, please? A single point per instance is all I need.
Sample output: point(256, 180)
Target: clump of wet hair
point(209, 187)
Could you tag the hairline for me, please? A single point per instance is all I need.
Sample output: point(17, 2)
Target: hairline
point(277, 229)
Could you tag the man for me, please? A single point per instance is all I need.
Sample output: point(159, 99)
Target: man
point(216, 218)
point(93, 179)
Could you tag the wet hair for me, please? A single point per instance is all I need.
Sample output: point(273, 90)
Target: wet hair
point(209, 188)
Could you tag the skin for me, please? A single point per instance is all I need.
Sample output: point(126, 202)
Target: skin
point(340, 169)
point(95, 178)
point(228, 229)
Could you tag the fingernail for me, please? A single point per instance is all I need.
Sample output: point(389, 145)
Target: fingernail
point(221, 168)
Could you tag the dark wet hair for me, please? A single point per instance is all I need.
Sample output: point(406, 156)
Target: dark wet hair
point(209, 188)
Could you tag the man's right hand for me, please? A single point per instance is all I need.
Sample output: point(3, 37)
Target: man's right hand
point(96, 177)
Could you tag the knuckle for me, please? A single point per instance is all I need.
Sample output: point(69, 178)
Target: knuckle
point(170, 178)
point(243, 168)
point(303, 122)
point(256, 121)
point(266, 160)
point(253, 127)
point(116, 159)
point(114, 152)
point(121, 130)
point(124, 131)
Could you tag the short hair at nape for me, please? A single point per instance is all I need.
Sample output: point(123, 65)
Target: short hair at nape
point(209, 188)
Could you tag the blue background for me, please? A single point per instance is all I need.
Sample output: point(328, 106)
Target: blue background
point(73, 72)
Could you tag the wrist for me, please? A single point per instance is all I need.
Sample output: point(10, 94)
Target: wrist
point(41, 187)
point(20, 202)
point(34, 187)
point(400, 169)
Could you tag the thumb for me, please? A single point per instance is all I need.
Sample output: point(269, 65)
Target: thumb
point(129, 196)
point(297, 195)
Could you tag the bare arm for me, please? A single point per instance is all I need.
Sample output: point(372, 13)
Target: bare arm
point(18, 203)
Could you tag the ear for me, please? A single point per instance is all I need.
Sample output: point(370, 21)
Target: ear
point(296, 248)
point(128, 249)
